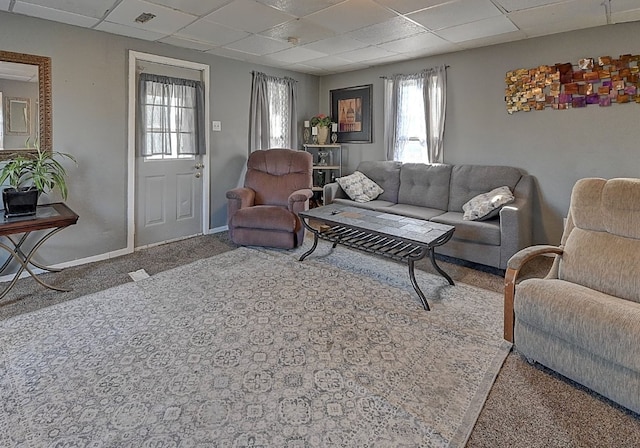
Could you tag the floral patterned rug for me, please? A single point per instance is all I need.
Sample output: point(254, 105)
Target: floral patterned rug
point(253, 348)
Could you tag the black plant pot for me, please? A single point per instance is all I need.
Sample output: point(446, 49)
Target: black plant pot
point(21, 202)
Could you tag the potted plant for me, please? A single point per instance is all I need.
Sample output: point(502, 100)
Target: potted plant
point(322, 122)
point(28, 175)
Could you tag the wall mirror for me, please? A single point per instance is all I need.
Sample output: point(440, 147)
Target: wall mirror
point(25, 115)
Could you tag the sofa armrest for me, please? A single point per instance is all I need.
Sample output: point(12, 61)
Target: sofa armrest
point(332, 191)
point(299, 200)
point(516, 221)
point(514, 265)
point(239, 198)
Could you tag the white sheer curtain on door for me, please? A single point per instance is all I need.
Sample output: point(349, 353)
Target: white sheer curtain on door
point(171, 116)
point(414, 115)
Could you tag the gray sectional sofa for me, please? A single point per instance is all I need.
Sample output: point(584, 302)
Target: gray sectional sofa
point(437, 192)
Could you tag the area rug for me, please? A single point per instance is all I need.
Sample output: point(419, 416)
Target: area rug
point(253, 348)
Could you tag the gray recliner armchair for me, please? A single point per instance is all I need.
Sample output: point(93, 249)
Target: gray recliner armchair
point(583, 319)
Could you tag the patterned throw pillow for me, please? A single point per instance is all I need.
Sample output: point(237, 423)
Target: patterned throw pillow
point(487, 205)
point(359, 187)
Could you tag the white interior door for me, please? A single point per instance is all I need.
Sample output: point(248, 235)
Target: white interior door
point(169, 199)
point(170, 193)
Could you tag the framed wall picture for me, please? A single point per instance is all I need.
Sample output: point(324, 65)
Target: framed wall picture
point(351, 108)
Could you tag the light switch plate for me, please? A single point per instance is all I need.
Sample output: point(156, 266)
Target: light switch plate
point(216, 125)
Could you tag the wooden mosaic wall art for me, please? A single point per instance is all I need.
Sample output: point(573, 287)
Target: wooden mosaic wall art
point(600, 81)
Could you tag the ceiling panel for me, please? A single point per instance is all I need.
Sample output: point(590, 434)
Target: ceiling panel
point(353, 33)
point(455, 13)
point(258, 45)
point(351, 15)
point(213, 33)
point(166, 20)
point(90, 8)
point(393, 29)
point(248, 15)
point(55, 15)
point(492, 26)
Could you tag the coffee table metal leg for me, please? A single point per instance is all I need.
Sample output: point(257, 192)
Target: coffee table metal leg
point(412, 276)
point(432, 256)
point(315, 241)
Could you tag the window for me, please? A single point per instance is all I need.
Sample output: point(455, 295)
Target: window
point(414, 116)
point(272, 122)
point(171, 121)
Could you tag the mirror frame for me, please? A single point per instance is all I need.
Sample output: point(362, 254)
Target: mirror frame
point(44, 98)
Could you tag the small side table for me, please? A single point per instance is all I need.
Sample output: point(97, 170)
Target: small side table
point(52, 217)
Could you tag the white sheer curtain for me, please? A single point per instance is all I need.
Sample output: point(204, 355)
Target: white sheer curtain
point(171, 116)
point(272, 113)
point(414, 115)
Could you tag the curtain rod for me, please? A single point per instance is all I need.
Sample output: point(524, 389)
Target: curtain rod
point(386, 77)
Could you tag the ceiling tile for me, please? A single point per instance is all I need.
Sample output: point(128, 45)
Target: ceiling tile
point(228, 53)
point(167, 20)
point(248, 15)
point(560, 17)
point(303, 68)
point(301, 29)
point(392, 29)
point(367, 54)
point(195, 7)
point(335, 45)
point(213, 33)
point(258, 45)
point(186, 43)
point(407, 6)
point(351, 15)
point(330, 63)
point(116, 28)
point(54, 14)
point(4, 5)
point(89, 8)
point(625, 11)
point(477, 30)
point(18, 72)
point(416, 43)
point(297, 54)
point(517, 5)
point(493, 40)
point(300, 8)
point(455, 13)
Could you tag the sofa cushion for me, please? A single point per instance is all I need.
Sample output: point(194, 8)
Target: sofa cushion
point(414, 211)
point(594, 321)
point(384, 173)
point(487, 205)
point(425, 185)
point(483, 232)
point(468, 181)
point(359, 187)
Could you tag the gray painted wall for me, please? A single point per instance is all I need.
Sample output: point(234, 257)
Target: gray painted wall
point(557, 147)
point(89, 85)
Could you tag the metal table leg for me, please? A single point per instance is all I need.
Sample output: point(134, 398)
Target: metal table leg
point(315, 241)
point(17, 254)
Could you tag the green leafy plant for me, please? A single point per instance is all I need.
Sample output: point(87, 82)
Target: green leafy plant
point(321, 120)
point(40, 171)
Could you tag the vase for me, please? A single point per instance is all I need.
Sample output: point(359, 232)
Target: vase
point(21, 202)
point(323, 135)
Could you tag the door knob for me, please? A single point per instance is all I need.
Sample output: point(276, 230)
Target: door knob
point(199, 165)
point(198, 175)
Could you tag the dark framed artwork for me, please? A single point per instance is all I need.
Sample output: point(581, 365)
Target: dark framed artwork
point(351, 109)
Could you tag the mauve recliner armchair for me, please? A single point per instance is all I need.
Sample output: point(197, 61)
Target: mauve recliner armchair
point(276, 187)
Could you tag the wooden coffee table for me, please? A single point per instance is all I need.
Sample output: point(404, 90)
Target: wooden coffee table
point(392, 236)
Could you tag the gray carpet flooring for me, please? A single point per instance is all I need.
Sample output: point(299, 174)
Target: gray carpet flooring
point(529, 405)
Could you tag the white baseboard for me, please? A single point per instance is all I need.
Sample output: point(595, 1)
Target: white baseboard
point(218, 230)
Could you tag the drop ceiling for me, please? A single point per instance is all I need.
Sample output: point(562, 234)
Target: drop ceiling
point(322, 37)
